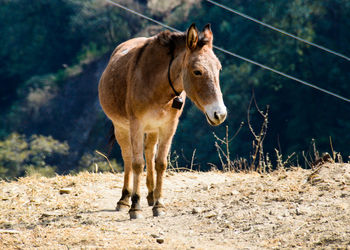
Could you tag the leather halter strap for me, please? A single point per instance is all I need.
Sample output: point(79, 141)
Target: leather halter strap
point(177, 101)
point(169, 79)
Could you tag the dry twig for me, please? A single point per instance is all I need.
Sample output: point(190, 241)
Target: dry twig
point(110, 165)
point(258, 149)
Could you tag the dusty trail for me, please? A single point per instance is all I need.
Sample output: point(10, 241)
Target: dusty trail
point(205, 211)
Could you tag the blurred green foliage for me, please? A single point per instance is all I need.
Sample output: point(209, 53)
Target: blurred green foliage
point(20, 155)
point(298, 113)
point(41, 37)
point(45, 44)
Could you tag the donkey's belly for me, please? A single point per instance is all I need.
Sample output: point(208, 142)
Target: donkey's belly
point(153, 120)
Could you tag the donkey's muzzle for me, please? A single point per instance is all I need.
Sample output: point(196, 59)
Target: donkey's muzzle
point(217, 119)
point(216, 114)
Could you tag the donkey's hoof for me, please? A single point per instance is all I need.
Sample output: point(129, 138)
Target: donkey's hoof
point(158, 211)
point(150, 199)
point(135, 214)
point(121, 207)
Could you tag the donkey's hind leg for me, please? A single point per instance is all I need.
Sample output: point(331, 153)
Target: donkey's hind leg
point(123, 139)
point(150, 151)
point(138, 163)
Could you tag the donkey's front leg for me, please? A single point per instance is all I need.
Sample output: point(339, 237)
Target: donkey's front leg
point(165, 138)
point(123, 138)
point(137, 137)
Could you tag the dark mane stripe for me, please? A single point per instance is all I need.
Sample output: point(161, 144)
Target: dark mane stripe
point(172, 39)
point(140, 52)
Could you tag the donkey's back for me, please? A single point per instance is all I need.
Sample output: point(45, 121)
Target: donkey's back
point(113, 85)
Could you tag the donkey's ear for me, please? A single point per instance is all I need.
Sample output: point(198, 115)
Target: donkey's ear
point(192, 37)
point(208, 34)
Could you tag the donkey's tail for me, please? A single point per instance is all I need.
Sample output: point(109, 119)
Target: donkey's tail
point(111, 139)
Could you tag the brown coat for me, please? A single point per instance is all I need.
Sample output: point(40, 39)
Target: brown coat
point(135, 94)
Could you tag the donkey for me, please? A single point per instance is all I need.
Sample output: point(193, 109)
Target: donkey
point(142, 91)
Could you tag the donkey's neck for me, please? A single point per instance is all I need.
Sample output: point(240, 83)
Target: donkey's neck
point(149, 81)
point(175, 44)
point(176, 70)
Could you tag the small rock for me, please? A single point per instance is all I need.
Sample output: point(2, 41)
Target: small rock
point(234, 192)
point(211, 215)
point(246, 228)
point(160, 240)
point(9, 231)
point(299, 212)
point(155, 236)
point(50, 214)
point(227, 225)
point(197, 210)
point(65, 190)
point(343, 195)
point(7, 225)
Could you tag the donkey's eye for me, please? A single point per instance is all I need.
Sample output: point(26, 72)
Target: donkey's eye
point(197, 73)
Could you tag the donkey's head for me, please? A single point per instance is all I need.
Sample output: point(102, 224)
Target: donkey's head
point(201, 74)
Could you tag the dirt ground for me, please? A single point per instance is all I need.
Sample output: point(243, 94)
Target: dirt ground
point(213, 210)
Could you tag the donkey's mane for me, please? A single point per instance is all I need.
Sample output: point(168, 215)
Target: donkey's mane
point(171, 39)
point(176, 39)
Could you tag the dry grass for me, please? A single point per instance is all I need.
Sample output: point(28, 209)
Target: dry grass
point(205, 211)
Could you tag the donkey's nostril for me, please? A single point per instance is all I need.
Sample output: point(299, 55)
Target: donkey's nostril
point(220, 116)
point(216, 116)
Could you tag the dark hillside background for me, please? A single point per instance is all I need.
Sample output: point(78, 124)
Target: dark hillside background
point(53, 52)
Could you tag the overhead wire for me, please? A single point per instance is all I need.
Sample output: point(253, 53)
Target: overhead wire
point(278, 30)
point(143, 16)
point(234, 54)
point(284, 74)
